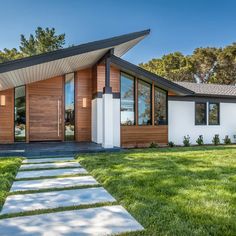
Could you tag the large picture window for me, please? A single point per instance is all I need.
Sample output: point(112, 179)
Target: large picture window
point(144, 103)
point(200, 114)
point(127, 100)
point(69, 107)
point(20, 114)
point(214, 113)
point(160, 107)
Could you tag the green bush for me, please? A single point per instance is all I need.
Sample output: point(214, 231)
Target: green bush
point(199, 141)
point(186, 141)
point(227, 139)
point(153, 145)
point(171, 144)
point(216, 139)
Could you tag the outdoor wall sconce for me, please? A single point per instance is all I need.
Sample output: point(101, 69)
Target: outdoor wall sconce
point(84, 102)
point(3, 100)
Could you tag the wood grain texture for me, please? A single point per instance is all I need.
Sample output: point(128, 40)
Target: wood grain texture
point(143, 136)
point(83, 90)
point(99, 79)
point(43, 109)
point(7, 117)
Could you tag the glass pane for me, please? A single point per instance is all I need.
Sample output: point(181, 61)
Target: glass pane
point(200, 114)
point(213, 113)
point(20, 114)
point(160, 115)
point(127, 100)
point(144, 103)
point(69, 107)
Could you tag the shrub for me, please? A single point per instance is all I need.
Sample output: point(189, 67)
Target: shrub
point(216, 139)
point(199, 141)
point(153, 145)
point(227, 139)
point(171, 144)
point(186, 141)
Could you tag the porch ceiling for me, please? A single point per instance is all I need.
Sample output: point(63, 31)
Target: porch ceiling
point(60, 62)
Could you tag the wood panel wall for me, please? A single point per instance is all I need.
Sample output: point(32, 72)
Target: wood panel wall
point(7, 117)
point(143, 136)
point(83, 90)
point(99, 79)
point(41, 109)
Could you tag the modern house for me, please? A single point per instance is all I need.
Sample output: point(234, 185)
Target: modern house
point(88, 93)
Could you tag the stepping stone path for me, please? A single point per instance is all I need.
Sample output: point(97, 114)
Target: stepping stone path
point(49, 190)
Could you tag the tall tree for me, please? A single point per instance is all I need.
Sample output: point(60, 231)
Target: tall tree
point(173, 66)
point(226, 67)
point(44, 40)
point(204, 62)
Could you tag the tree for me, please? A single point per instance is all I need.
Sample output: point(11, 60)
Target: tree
point(9, 54)
point(45, 40)
point(226, 67)
point(204, 62)
point(173, 66)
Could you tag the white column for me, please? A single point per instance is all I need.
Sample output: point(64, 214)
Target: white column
point(107, 120)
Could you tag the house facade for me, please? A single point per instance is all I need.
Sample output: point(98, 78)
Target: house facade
point(89, 93)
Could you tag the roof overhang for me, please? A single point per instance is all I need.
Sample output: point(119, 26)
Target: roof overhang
point(31, 69)
point(141, 73)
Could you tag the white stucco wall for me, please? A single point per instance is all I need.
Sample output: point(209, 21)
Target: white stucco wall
point(98, 122)
point(181, 118)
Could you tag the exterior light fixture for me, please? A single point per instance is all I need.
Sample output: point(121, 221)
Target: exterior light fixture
point(3, 100)
point(84, 102)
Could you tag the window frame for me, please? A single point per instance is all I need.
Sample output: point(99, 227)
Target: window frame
point(134, 96)
point(205, 115)
point(218, 113)
point(166, 94)
point(151, 102)
point(14, 105)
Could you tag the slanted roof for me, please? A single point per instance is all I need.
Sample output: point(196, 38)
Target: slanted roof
point(63, 61)
point(146, 75)
point(217, 90)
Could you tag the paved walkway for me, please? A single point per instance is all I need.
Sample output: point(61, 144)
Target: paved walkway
point(50, 191)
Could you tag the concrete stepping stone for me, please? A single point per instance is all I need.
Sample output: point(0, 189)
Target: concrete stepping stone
point(55, 199)
point(49, 173)
point(50, 165)
point(87, 222)
point(44, 160)
point(27, 185)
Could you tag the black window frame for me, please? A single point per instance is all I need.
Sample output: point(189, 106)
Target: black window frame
point(218, 113)
point(166, 93)
point(197, 103)
point(137, 100)
point(134, 95)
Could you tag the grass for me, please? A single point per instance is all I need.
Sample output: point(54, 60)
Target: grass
point(8, 170)
point(172, 191)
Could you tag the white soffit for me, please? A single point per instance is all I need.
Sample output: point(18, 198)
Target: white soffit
point(26, 75)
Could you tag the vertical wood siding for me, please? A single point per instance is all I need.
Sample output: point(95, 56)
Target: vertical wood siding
point(7, 117)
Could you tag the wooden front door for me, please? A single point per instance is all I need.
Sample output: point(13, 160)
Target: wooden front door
point(45, 118)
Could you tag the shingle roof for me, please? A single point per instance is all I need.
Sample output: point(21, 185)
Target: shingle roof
point(210, 89)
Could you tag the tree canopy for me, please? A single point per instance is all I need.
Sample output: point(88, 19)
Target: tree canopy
point(43, 40)
point(205, 65)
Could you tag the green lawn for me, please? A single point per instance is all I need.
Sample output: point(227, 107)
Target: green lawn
point(178, 191)
point(8, 170)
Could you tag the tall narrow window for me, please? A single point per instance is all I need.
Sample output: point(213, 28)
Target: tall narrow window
point(160, 107)
point(200, 114)
point(127, 100)
point(144, 103)
point(69, 107)
point(214, 114)
point(20, 114)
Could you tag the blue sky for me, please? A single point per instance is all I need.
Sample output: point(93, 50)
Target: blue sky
point(176, 25)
